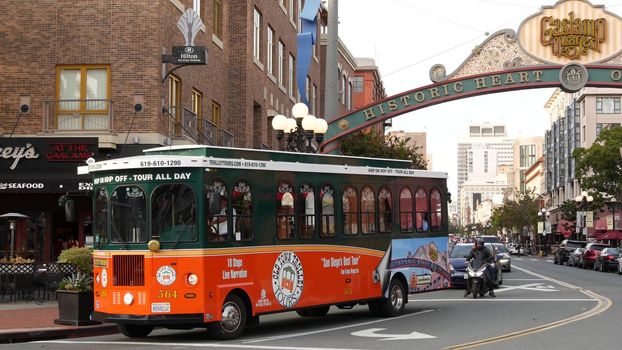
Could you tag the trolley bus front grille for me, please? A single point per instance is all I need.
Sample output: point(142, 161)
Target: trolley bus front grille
point(129, 270)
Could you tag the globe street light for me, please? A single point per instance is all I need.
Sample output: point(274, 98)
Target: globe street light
point(300, 129)
point(544, 215)
point(612, 204)
point(583, 200)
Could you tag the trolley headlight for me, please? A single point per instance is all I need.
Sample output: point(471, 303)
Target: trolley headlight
point(128, 298)
point(192, 279)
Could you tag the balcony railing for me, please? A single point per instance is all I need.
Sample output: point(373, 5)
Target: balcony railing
point(81, 115)
point(188, 126)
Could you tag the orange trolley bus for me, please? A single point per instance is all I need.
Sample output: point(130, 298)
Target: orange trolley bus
point(199, 236)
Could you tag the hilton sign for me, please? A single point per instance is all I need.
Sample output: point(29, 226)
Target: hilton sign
point(570, 45)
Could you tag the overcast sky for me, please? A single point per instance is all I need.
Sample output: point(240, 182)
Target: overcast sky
point(407, 37)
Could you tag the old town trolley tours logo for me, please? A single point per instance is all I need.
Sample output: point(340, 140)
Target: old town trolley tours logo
point(287, 279)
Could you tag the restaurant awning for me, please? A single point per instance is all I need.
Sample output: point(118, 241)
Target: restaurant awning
point(608, 234)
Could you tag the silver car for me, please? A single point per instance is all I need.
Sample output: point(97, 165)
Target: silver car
point(503, 257)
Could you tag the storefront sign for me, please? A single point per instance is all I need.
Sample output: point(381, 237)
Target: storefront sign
point(189, 55)
point(45, 164)
point(572, 30)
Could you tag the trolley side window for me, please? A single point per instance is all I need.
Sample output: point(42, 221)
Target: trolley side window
point(128, 215)
point(306, 222)
point(218, 221)
point(406, 210)
point(285, 211)
point(350, 211)
point(437, 207)
point(421, 207)
point(385, 215)
point(174, 213)
point(242, 212)
point(368, 210)
point(327, 216)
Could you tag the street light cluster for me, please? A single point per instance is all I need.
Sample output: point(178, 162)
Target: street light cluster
point(583, 200)
point(544, 215)
point(300, 129)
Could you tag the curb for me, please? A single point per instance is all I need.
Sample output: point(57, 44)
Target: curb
point(34, 334)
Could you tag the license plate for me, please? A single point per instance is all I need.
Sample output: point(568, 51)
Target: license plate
point(160, 307)
point(466, 277)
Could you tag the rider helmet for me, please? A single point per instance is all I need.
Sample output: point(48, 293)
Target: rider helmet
point(479, 243)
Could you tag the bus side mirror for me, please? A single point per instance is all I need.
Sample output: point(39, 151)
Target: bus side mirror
point(213, 203)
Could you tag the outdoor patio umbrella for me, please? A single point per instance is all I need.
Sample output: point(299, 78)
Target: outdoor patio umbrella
point(12, 217)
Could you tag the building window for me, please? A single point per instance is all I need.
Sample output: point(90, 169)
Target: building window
point(83, 94)
point(290, 78)
point(281, 63)
point(349, 104)
point(216, 113)
point(298, 19)
point(523, 185)
point(314, 100)
point(358, 84)
point(270, 51)
point(256, 34)
point(290, 10)
point(196, 6)
point(217, 18)
point(308, 92)
point(343, 89)
point(607, 105)
point(174, 104)
point(197, 100)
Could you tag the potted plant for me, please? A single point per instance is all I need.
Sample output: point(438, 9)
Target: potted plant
point(75, 292)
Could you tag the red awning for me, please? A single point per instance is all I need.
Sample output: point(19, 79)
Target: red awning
point(600, 224)
point(565, 227)
point(609, 234)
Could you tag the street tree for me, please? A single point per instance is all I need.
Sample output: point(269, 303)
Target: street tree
point(376, 145)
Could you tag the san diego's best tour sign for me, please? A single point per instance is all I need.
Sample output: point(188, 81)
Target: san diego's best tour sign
point(571, 44)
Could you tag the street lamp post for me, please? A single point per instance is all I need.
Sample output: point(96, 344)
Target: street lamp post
point(299, 130)
point(612, 204)
point(583, 200)
point(544, 215)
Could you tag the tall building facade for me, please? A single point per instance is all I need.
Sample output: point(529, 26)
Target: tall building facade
point(98, 85)
point(479, 154)
point(527, 151)
point(576, 120)
point(415, 139)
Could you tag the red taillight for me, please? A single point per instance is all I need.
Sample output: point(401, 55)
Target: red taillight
point(611, 257)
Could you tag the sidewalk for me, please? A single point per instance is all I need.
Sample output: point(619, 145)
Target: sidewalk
point(26, 321)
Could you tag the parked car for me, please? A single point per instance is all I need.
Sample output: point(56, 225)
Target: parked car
point(591, 252)
point(565, 247)
point(491, 239)
point(607, 260)
point(503, 257)
point(574, 258)
point(620, 265)
point(457, 259)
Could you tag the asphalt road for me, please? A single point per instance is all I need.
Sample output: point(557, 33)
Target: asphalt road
point(540, 305)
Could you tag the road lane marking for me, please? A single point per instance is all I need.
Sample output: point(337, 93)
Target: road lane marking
point(532, 286)
point(278, 337)
point(371, 333)
point(484, 299)
point(523, 279)
point(194, 345)
point(603, 303)
point(561, 283)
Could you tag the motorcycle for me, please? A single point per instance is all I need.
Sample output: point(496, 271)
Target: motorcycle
point(477, 283)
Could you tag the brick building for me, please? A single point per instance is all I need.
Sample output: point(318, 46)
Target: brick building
point(82, 67)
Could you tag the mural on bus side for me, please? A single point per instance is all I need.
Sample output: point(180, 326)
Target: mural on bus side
point(424, 262)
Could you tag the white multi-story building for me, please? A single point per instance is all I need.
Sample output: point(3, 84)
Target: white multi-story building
point(480, 154)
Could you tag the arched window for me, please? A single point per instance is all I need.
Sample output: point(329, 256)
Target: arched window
point(350, 211)
point(100, 222)
point(174, 213)
point(437, 210)
point(385, 214)
point(306, 223)
point(241, 200)
point(327, 200)
point(285, 211)
point(368, 210)
point(128, 217)
point(406, 210)
point(218, 224)
point(421, 209)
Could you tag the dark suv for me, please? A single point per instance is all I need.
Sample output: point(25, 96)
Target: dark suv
point(565, 248)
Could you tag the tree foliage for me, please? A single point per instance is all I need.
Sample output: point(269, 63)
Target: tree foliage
point(516, 214)
point(374, 145)
point(599, 167)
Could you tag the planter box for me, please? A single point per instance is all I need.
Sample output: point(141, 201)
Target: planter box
point(75, 308)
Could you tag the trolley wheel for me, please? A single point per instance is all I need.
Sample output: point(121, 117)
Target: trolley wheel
point(233, 319)
point(395, 303)
point(134, 330)
point(314, 311)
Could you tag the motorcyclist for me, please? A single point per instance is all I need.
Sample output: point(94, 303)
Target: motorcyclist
point(480, 253)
